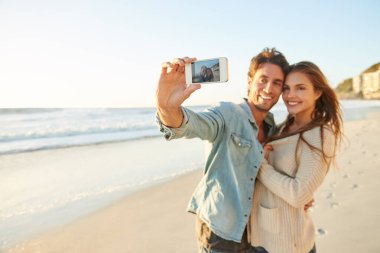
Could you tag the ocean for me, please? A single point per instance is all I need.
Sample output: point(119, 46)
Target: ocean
point(26, 130)
point(33, 200)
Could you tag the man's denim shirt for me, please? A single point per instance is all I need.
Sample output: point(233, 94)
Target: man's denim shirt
point(223, 197)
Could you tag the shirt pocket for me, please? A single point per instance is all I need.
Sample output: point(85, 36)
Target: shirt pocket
point(268, 219)
point(241, 147)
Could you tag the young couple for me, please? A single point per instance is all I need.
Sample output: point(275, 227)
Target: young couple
point(258, 178)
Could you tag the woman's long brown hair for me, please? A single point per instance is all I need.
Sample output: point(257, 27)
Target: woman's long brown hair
point(327, 112)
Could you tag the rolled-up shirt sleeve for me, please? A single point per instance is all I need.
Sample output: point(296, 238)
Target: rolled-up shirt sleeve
point(204, 125)
point(172, 133)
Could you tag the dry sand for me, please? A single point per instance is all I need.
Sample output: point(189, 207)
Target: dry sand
point(154, 220)
point(347, 205)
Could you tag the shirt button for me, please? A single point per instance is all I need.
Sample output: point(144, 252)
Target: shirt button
point(245, 215)
point(249, 198)
point(255, 166)
point(261, 152)
point(251, 178)
point(239, 144)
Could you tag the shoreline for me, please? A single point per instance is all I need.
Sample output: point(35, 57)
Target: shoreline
point(154, 219)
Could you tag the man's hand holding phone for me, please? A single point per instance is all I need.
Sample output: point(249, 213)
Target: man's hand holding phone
point(180, 78)
point(172, 91)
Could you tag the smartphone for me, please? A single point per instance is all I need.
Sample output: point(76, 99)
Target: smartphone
point(207, 71)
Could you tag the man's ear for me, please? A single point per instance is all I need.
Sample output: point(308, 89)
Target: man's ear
point(249, 81)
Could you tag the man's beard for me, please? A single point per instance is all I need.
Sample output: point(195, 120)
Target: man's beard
point(259, 108)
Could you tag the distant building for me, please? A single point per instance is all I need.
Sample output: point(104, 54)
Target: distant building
point(368, 83)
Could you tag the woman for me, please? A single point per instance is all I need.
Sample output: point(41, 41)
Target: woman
point(297, 160)
point(209, 75)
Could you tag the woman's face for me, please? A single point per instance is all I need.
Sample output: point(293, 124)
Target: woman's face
point(299, 94)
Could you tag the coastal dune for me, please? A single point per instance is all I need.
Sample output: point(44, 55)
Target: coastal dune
point(154, 220)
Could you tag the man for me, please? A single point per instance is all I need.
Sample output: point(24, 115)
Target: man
point(222, 200)
point(203, 73)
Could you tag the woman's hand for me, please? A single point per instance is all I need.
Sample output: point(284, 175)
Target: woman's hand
point(308, 205)
point(267, 149)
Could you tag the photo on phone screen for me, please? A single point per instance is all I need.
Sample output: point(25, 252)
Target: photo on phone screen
point(205, 71)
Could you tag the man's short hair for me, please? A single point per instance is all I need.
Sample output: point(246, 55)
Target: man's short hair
point(268, 55)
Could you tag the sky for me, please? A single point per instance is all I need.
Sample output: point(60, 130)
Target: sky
point(90, 53)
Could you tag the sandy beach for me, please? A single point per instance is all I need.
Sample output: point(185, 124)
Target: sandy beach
point(154, 220)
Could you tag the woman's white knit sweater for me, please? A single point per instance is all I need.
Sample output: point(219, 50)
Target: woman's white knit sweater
point(278, 221)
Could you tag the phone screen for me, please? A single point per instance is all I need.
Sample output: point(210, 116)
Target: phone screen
point(205, 71)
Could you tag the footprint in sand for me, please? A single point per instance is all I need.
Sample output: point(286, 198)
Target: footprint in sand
point(360, 172)
point(330, 195)
point(374, 154)
point(364, 152)
point(349, 162)
point(321, 232)
point(333, 185)
point(354, 186)
point(334, 204)
point(346, 175)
